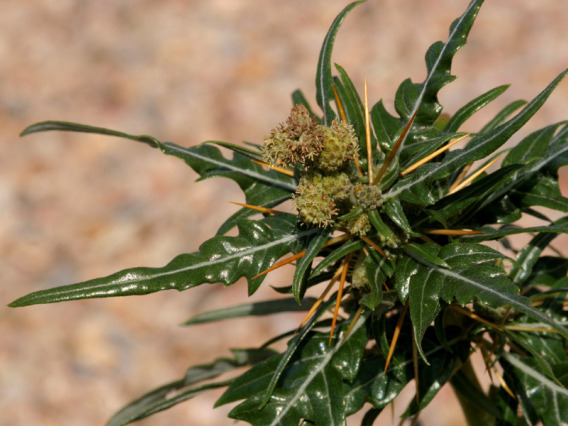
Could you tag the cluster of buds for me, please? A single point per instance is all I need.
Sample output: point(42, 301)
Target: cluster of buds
point(322, 155)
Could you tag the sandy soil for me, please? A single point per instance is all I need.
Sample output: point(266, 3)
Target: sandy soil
point(74, 207)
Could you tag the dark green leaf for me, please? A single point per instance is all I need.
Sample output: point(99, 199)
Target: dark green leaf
point(324, 79)
point(542, 395)
point(502, 116)
point(472, 107)
point(303, 266)
point(66, 126)
point(173, 393)
point(337, 254)
point(220, 259)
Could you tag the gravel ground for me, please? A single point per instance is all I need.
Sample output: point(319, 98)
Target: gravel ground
point(77, 206)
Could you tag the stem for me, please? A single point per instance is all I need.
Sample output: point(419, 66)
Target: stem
point(474, 415)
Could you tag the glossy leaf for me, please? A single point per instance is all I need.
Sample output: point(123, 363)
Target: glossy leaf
point(310, 388)
point(465, 112)
point(178, 391)
point(220, 259)
point(324, 79)
point(540, 394)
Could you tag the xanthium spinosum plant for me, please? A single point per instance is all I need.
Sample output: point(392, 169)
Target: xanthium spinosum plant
point(395, 224)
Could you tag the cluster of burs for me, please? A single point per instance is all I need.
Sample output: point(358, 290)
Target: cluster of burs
point(324, 158)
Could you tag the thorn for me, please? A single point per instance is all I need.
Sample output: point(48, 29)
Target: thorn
point(368, 136)
point(431, 156)
point(374, 245)
point(451, 232)
point(257, 208)
point(386, 165)
point(329, 242)
point(275, 168)
point(396, 335)
point(475, 317)
point(352, 324)
point(322, 296)
point(339, 104)
point(461, 176)
point(504, 384)
point(339, 295)
point(530, 329)
point(473, 176)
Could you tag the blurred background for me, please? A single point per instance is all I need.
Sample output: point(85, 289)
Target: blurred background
point(79, 206)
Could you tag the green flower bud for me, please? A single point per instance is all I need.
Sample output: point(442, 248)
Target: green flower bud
point(340, 145)
point(314, 206)
point(368, 196)
point(359, 277)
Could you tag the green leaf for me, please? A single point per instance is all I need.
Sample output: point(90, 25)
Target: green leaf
point(386, 126)
point(424, 253)
point(473, 274)
point(66, 126)
point(314, 245)
point(472, 107)
point(337, 254)
point(178, 391)
point(530, 254)
point(355, 113)
point(298, 98)
point(309, 388)
point(540, 394)
point(393, 209)
point(324, 79)
point(422, 99)
point(502, 115)
point(220, 259)
point(414, 188)
point(268, 307)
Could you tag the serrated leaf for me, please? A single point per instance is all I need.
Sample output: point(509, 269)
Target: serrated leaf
point(472, 276)
point(410, 188)
point(465, 112)
point(393, 209)
point(540, 394)
point(324, 79)
point(422, 99)
point(530, 253)
point(386, 126)
point(220, 259)
point(310, 389)
point(178, 391)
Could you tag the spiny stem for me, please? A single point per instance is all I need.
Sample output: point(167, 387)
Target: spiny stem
point(451, 232)
point(322, 296)
point(286, 172)
point(431, 156)
point(473, 176)
point(389, 159)
point(339, 294)
point(339, 104)
point(257, 208)
point(374, 245)
point(368, 136)
point(352, 324)
point(461, 176)
point(396, 335)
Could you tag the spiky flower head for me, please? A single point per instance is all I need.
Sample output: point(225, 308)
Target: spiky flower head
point(298, 141)
point(340, 145)
point(368, 196)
